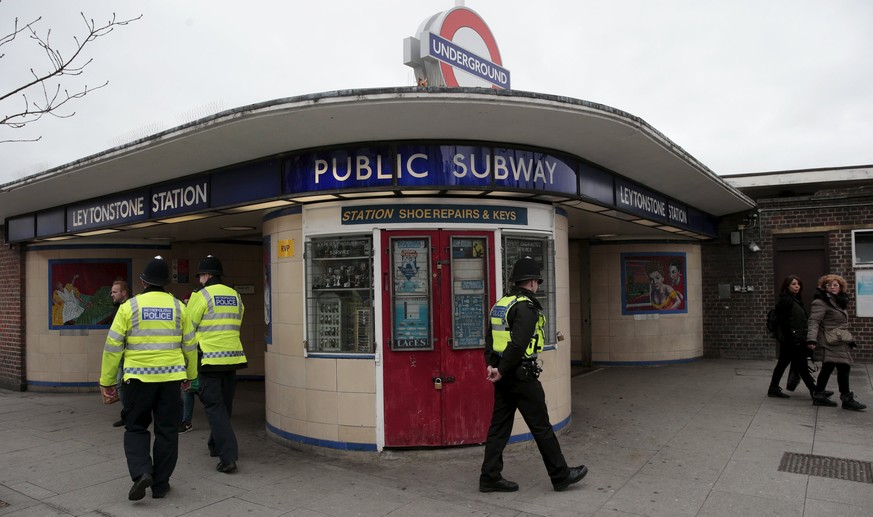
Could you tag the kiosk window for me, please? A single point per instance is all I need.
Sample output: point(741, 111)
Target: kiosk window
point(339, 294)
point(543, 251)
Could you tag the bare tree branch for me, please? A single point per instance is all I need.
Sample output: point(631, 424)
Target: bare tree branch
point(52, 96)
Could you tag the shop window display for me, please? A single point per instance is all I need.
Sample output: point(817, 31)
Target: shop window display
point(339, 274)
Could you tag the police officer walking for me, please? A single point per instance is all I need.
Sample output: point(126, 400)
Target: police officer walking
point(516, 337)
point(152, 335)
point(216, 312)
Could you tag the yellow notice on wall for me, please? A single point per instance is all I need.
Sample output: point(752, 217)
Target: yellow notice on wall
point(286, 248)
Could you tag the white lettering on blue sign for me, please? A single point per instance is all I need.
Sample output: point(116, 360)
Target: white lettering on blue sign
point(679, 215)
point(363, 168)
point(640, 201)
point(448, 52)
point(225, 301)
point(108, 212)
point(157, 314)
point(179, 197)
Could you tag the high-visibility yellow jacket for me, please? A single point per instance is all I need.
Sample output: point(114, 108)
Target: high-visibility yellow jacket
point(500, 331)
point(216, 312)
point(154, 335)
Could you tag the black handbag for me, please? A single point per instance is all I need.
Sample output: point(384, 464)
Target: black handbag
point(793, 379)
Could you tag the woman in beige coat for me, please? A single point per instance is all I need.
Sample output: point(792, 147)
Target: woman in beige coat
point(828, 329)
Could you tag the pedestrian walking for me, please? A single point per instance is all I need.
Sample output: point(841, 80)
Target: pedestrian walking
point(216, 312)
point(791, 326)
point(119, 293)
point(152, 335)
point(829, 328)
point(515, 337)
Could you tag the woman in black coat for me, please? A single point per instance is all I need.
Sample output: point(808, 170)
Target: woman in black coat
point(791, 334)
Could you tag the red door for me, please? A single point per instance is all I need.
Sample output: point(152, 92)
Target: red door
point(438, 289)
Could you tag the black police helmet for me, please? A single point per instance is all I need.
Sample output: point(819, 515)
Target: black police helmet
point(210, 265)
point(526, 269)
point(156, 272)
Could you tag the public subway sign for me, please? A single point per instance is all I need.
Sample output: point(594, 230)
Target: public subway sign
point(138, 206)
point(445, 166)
point(456, 48)
point(645, 203)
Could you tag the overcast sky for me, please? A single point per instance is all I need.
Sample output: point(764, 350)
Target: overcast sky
point(742, 85)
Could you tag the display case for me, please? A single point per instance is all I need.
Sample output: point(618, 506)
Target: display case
point(340, 294)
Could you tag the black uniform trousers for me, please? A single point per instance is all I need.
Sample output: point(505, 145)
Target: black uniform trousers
point(144, 403)
point(217, 390)
point(527, 396)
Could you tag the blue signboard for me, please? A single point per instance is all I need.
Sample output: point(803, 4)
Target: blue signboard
point(529, 170)
point(461, 58)
point(125, 209)
point(179, 198)
point(339, 169)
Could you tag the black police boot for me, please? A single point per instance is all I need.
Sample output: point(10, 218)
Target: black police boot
point(501, 485)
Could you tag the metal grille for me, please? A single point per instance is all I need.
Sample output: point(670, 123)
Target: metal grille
point(827, 467)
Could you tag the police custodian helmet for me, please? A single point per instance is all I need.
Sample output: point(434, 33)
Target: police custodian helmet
point(156, 272)
point(210, 265)
point(526, 269)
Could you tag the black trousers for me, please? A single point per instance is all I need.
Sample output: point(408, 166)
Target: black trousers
point(146, 403)
point(795, 355)
point(842, 376)
point(217, 390)
point(528, 397)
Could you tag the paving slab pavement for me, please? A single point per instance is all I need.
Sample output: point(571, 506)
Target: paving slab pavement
point(697, 439)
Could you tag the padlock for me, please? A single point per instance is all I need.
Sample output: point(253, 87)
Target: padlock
point(437, 383)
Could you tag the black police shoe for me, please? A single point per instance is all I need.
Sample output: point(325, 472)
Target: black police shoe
point(138, 490)
point(501, 485)
point(160, 492)
point(574, 476)
point(226, 468)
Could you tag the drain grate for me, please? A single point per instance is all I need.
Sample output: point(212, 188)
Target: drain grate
point(827, 467)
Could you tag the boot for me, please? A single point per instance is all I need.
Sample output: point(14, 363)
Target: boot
point(820, 399)
point(849, 402)
point(826, 394)
point(776, 391)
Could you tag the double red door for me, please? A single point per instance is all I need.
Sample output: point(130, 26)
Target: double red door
point(438, 288)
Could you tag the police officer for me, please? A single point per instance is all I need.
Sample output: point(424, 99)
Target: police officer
point(154, 337)
point(516, 337)
point(216, 312)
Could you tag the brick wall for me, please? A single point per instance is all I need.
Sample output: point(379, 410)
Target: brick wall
point(12, 343)
point(734, 327)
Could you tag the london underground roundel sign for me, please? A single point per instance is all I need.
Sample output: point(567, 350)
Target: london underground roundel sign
point(456, 48)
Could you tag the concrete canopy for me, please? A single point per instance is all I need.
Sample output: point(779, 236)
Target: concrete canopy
point(615, 140)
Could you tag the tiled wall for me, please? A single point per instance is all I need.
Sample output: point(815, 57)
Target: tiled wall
point(617, 338)
point(71, 359)
point(320, 399)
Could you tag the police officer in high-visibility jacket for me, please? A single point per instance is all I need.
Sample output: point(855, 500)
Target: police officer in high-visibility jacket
point(155, 338)
point(516, 337)
point(216, 312)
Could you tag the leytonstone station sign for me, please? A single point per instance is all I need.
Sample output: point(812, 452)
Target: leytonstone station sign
point(456, 48)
